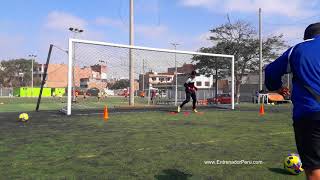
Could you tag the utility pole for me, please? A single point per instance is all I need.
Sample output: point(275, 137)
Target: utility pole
point(33, 57)
point(143, 75)
point(32, 77)
point(260, 50)
point(131, 58)
point(176, 73)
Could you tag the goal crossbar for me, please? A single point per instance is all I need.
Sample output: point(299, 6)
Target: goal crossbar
point(148, 48)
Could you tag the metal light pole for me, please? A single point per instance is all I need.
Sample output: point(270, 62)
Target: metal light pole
point(176, 73)
point(75, 31)
point(131, 58)
point(33, 57)
point(260, 50)
point(143, 75)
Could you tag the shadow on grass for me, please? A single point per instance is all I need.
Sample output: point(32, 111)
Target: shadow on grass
point(172, 174)
point(279, 171)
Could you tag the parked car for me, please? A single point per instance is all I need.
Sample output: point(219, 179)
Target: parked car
point(92, 92)
point(124, 92)
point(221, 99)
point(109, 92)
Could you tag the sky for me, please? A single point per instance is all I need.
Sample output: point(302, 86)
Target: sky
point(28, 27)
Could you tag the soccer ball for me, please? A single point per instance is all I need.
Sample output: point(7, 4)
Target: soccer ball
point(24, 117)
point(292, 164)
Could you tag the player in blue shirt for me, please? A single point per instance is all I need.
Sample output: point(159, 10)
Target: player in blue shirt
point(303, 61)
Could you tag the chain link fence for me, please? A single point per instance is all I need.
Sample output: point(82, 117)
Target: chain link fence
point(6, 92)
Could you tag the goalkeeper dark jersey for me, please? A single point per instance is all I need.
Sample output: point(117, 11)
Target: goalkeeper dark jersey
point(189, 84)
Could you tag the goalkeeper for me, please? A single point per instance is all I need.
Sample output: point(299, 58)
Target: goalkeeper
point(302, 61)
point(190, 92)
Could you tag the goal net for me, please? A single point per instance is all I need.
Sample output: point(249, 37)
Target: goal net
point(101, 73)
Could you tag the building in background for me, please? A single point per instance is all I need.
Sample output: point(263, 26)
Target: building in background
point(249, 86)
point(84, 77)
point(156, 80)
point(165, 82)
point(92, 77)
point(202, 81)
point(184, 69)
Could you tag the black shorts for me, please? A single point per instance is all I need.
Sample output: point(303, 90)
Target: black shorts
point(307, 135)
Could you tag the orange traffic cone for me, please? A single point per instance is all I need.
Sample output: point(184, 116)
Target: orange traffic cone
point(261, 110)
point(105, 113)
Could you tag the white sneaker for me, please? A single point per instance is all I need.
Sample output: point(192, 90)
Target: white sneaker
point(179, 109)
point(195, 110)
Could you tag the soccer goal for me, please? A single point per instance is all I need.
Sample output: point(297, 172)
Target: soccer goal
point(122, 75)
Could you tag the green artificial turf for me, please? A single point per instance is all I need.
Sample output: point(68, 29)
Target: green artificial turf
point(150, 145)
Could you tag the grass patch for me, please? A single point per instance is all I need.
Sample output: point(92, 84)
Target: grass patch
point(154, 145)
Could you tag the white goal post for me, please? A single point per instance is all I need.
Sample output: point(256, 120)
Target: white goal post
point(71, 60)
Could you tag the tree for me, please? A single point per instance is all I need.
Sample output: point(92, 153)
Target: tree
point(2, 75)
point(16, 72)
point(121, 84)
point(212, 66)
point(241, 40)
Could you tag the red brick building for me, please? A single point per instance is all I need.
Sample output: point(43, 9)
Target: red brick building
point(84, 77)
